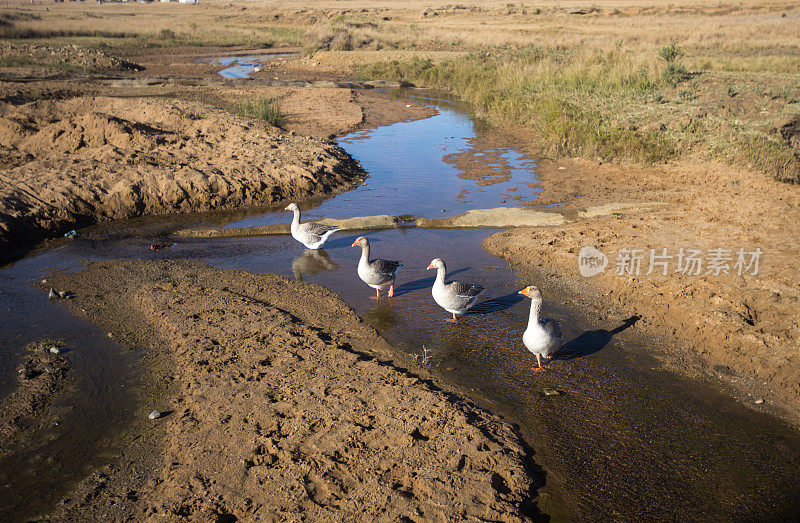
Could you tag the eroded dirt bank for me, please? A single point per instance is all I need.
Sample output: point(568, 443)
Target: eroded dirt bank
point(85, 159)
point(284, 408)
point(742, 329)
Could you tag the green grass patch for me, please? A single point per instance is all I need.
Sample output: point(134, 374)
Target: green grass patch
point(267, 109)
point(564, 95)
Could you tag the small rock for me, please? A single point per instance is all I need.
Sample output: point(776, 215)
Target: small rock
point(759, 401)
point(155, 414)
point(110, 335)
point(53, 294)
point(551, 392)
point(71, 234)
point(55, 350)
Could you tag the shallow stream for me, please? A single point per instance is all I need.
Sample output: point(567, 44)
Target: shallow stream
point(624, 439)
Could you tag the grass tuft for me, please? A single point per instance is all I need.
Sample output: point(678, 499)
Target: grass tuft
point(267, 109)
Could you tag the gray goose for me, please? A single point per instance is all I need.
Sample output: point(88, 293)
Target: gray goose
point(312, 235)
point(543, 335)
point(454, 297)
point(376, 273)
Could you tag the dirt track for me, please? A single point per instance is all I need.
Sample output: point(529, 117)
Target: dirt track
point(289, 411)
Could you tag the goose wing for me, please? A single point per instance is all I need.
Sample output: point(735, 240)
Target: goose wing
point(386, 267)
point(551, 326)
point(466, 290)
point(315, 231)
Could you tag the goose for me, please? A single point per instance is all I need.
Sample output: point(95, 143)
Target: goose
point(543, 335)
point(376, 273)
point(454, 297)
point(312, 235)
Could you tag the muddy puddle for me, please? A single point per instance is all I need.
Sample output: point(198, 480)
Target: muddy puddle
point(622, 438)
point(239, 67)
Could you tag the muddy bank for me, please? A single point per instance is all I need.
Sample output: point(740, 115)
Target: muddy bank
point(741, 329)
point(40, 376)
point(286, 407)
point(77, 161)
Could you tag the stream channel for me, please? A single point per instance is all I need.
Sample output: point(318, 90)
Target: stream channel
point(624, 439)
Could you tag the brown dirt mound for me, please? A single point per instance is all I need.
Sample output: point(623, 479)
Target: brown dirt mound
point(88, 159)
point(284, 412)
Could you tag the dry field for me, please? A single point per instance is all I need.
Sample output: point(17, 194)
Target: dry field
point(606, 80)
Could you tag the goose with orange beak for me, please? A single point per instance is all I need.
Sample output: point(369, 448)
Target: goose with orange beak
point(454, 297)
point(376, 273)
point(312, 235)
point(543, 335)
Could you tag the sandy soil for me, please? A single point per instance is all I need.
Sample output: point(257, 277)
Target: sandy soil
point(41, 376)
point(744, 329)
point(86, 159)
point(286, 410)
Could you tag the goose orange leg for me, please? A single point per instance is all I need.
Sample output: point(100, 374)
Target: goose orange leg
point(377, 294)
point(539, 361)
point(391, 290)
point(454, 320)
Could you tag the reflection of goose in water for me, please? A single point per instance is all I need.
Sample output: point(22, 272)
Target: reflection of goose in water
point(312, 261)
point(382, 316)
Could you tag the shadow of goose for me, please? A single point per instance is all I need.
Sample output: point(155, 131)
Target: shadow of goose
point(591, 342)
point(338, 242)
point(422, 283)
point(500, 303)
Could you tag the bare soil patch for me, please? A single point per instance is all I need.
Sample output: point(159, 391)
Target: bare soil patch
point(87, 159)
point(286, 407)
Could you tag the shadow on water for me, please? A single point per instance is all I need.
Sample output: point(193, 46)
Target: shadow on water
point(339, 242)
point(421, 283)
point(498, 304)
point(590, 342)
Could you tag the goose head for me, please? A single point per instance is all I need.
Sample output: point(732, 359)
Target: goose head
point(361, 241)
point(292, 207)
point(436, 263)
point(532, 292)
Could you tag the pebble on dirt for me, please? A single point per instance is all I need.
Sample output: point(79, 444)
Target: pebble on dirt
point(155, 414)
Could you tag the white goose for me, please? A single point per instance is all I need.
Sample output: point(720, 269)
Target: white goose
point(455, 297)
point(543, 335)
point(312, 235)
point(376, 273)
